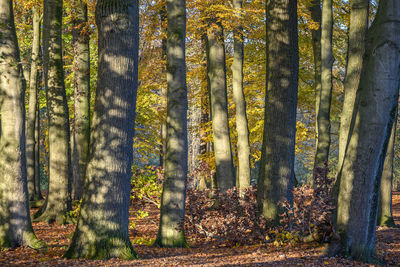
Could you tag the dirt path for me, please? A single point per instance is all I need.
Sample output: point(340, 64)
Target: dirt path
point(201, 253)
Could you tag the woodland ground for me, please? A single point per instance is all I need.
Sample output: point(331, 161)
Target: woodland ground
point(200, 252)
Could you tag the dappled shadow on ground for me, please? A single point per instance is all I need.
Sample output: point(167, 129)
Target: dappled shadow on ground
point(201, 253)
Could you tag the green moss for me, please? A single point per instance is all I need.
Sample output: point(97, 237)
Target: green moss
point(177, 241)
point(387, 221)
point(32, 241)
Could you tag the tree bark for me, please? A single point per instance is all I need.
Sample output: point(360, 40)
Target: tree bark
point(171, 232)
point(15, 222)
point(216, 68)
point(323, 115)
point(356, 48)
point(363, 161)
point(163, 128)
point(37, 151)
point(33, 92)
point(316, 15)
point(275, 182)
point(102, 230)
point(58, 201)
point(240, 103)
point(81, 127)
point(385, 215)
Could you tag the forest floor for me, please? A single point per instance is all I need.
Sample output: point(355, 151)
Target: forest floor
point(200, 253)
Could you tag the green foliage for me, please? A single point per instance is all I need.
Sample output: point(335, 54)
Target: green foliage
point(146, 184)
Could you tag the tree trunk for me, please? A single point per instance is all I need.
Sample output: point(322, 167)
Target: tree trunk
point(15, 222)
point(240, 103)
point(315, 9)
point(33, 92)
point(171, 232)
point(363, 161)
point(385, 215)
point(216, 68)
point(102, 230)
point(323, 115)
point(275, 182)
point(163, 128)
point(356, 48)
point(58, 201)
point(81, 127)
point(37, 151)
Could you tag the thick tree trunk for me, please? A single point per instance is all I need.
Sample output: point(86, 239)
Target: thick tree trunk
point(323, 116)
point(216, 68)
point(81, 127)
point(15, 222)
point(385, 215)
point(58, 201)
point(33, 92)
point(275, 182)
point(363, 162)
point(102, 230)
point(171, 232)
point(356, 48)
point(240, 103)
point(316, 15)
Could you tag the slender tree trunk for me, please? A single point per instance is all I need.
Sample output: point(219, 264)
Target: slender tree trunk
point(58, 201)
point(316, 15)
point(363, 161)
point(356, 48)
point(385, 215)
point(171, 232)
point(15, 222)
point(163, 128)
point(81, 127)
point(102, 230)
point(37, 151)
point(323, 116)
point(225, 174)
point(240, 103)
point(33, 91)
point(275, 182)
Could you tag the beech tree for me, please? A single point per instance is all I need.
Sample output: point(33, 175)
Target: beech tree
point(81, 127)
point(374, 113)
point(275, 181)
point(216, 71)
point(325, 95)
point(58, 201)
point(33, 96)
point(102, 229)
point(15, 222)
point(171, 232)
point(242, 128)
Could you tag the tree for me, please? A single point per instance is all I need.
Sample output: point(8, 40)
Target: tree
point(240, 103)
point(102, 230)
point(275, 180)
point(216, 71)
point(385, 215)
point(171, 233)
point(325, 95)
point(364, 157)
point(15, 222)
point(81, 128)
point(33, 96)
point(58, 201)
point(359, 10)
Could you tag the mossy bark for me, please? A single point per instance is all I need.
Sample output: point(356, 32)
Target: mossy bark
point(102, 229)
point(216, 71)
point(15, 222)
point(31, 120)
point(357, 203)
point(81, 128)
point(275, 181)
point(385, 215)
point(171, 232)
point(243, 145)
point(325, 95)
